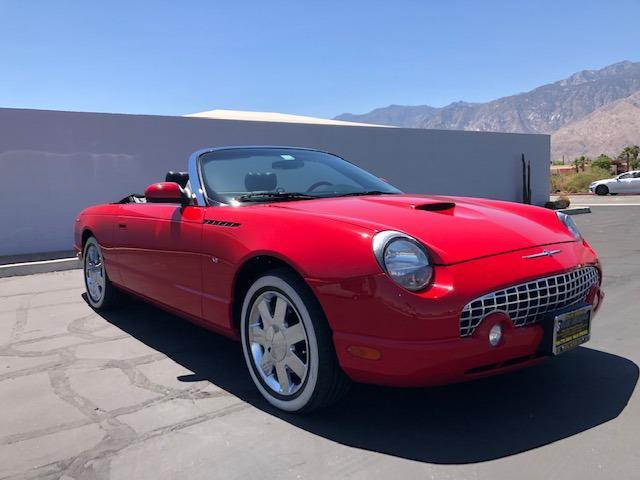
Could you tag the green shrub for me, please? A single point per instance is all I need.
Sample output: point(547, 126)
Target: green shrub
point(558, 182)
point(577, 182)
point(603, 162)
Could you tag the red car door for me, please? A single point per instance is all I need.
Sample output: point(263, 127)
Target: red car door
point(159, 253)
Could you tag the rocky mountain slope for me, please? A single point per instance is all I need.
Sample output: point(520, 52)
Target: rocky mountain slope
point(607, 130)
point(542, 110)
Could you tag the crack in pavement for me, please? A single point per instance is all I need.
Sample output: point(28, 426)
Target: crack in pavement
point(88, 331)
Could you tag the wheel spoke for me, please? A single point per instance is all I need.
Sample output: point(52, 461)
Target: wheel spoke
point(266, 364)
point(283, 377)
point(295, 364)
point(280, 312)
point(295, 334)
point(265, 314)
point(257, 335)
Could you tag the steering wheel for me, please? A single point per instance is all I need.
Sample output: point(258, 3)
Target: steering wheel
point(319, 184)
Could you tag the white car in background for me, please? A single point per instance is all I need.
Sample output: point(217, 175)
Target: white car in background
point(624, 183)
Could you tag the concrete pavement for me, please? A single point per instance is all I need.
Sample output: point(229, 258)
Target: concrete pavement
point(608, 200)
point(139, 393)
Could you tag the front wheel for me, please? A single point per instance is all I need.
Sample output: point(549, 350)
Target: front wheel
point(602, 190)
point(287, 345)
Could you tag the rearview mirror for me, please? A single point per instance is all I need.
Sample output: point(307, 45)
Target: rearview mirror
point(166, 192)
point(287, 164)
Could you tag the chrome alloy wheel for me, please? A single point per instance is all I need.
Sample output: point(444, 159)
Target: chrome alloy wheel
point(94, 273)
point(278, 343)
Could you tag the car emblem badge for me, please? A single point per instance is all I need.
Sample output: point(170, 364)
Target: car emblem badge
point(544, 253)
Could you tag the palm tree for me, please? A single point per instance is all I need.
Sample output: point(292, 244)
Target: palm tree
point(630, 154)
point(635, 153)
point(579, 163)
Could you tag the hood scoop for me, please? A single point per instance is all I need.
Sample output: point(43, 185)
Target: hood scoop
point(436, 207)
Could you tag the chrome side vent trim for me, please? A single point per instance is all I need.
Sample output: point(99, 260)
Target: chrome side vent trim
point(220, 223)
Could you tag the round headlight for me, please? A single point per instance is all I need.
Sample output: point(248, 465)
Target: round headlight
point(403, 259)
point(570, 224)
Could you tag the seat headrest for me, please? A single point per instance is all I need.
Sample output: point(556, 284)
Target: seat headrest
point(181, 178)
point(258, 182)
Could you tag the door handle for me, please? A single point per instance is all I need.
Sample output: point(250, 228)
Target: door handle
point(122, 226)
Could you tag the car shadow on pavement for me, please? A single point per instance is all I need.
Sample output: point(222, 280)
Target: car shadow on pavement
point(456, 424)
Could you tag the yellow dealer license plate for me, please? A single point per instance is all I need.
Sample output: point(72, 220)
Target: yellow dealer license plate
point(571, 329)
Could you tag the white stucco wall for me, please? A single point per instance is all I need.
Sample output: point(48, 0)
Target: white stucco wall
point(54, 164)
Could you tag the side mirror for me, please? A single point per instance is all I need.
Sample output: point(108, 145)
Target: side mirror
point(166, 192)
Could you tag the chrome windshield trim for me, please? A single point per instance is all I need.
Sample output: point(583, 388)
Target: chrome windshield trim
point(197, 186)
point(194, 178)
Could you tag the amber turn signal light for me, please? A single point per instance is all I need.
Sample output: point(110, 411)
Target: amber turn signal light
point(367, 353)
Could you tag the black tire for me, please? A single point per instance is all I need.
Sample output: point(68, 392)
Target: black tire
point(324, 382)
point(109, 296)
point(602, 190)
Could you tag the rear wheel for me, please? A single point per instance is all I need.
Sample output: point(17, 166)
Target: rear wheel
point(287, 345)
point(602, 190)
point(101, 294)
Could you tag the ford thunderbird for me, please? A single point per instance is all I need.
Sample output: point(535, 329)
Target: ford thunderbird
point(327, 274)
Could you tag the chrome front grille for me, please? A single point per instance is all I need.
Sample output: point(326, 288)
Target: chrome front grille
point(527, 302)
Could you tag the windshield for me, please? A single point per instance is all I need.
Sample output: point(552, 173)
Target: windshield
point(243, 175)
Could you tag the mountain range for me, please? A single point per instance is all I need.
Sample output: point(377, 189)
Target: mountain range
point(606, 130)
point(590, 112)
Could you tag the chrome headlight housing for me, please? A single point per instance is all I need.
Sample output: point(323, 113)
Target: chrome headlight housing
point(403, 258)
point(570, 224)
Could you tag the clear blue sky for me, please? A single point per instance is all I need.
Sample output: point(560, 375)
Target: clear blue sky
point(306, 57)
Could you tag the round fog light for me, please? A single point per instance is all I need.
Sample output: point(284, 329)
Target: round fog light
point(495, 335)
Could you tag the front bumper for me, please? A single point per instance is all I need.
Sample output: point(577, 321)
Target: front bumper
point(415, 364)
point(414, 339)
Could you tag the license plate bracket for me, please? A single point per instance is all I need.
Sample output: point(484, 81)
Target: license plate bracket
point(571, 329)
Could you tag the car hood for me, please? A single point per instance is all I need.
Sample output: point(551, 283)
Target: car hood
point(455, 229)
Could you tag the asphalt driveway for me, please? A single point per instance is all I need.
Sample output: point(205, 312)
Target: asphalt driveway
point(139, 393)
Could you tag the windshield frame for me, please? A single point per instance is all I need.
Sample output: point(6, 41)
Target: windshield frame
point(205, 198)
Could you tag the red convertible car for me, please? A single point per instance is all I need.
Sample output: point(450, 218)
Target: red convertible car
point(328, 274)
